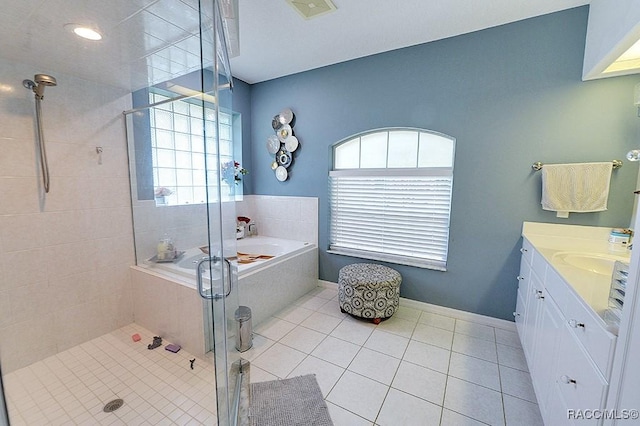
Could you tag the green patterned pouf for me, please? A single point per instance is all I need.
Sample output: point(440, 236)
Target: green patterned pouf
point(369, 291)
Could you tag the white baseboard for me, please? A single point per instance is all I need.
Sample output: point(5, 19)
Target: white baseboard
point(442, 310)
point(327, 284)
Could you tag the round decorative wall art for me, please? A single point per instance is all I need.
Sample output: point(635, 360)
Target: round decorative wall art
point(283, 144)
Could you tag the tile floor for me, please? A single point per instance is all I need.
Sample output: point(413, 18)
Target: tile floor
point(417, 368)
point(72, 387)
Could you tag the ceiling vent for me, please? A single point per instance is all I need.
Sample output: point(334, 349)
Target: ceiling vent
point(312, 8)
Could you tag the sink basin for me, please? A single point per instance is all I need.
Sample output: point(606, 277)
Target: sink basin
point(597, 263)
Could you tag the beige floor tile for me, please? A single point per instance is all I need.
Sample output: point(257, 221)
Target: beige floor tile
point(387, 343)
point(474, 401)
point(359, 395)
point(400, 408)
point(420, 382)
point(475, 370)
point(428, 356)
point(375, 365)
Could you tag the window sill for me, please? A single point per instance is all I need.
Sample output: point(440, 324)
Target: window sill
point(399, 260)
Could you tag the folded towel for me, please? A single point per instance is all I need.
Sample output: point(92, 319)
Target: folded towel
point(578, 187)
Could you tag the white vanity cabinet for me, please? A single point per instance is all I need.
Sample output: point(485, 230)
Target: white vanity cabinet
point(568, 350)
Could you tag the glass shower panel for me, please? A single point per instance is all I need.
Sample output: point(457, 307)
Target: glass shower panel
point(176, 167)
point(221, 223)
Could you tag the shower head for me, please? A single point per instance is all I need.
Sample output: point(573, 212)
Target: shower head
point(45, 80)
point(41, 81)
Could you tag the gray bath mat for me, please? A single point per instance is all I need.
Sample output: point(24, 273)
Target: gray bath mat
point(288, 402)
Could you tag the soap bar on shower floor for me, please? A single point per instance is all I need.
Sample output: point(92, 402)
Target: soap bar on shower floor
point(136, 337)
point(172, 348)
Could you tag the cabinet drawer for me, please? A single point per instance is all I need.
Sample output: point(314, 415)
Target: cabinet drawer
point(579, 381)
point(591, 332)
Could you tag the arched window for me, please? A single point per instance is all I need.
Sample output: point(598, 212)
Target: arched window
point(390, 196)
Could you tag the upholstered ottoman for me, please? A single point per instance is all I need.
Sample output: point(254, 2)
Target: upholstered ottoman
point(369, 291)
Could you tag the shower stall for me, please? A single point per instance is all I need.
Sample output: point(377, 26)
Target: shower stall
point(138, 142)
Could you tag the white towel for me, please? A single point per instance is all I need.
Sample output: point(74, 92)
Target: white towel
point(578, 187)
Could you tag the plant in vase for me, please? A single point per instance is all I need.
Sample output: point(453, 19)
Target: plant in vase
point(232, 171)
point(161, 193)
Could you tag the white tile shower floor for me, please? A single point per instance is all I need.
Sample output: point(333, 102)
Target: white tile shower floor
point(417, 368)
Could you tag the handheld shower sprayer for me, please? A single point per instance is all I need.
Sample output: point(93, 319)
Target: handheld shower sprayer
point(37, 85)
point(39, 82)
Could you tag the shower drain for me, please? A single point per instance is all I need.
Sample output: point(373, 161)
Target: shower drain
point(112, 406)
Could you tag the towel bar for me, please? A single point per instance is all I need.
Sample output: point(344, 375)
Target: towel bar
point(537, 166)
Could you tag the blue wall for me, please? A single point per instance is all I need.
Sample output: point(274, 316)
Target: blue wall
point(510, 95)
point(242, 104)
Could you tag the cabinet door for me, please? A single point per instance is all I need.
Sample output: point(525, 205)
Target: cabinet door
point(579, 380)
point(531, 319)
point(547, 339)
point(556, 413)
point(519, 315)
point(525, 275)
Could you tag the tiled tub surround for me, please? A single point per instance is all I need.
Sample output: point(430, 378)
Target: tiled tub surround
point(64, 256)
point(169, 304)
point(294, 218)
point(185, 224)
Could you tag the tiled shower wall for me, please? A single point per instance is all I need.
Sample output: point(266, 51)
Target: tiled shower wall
point(64, 256)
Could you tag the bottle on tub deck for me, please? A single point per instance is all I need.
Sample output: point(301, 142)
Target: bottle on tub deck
point(240, 230)
point(619, 239)
point(166, 248)
point(242, 227)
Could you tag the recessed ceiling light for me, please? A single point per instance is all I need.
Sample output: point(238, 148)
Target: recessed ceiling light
point(84, 31)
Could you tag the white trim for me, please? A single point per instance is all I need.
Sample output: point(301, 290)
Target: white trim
point(402, 172)
point(443, 310)
point(383, 257)
point(458, 314)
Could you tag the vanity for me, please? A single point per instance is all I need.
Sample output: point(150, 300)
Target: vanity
point(563, 292)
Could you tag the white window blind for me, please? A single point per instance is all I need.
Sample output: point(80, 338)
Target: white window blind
point(398, 215)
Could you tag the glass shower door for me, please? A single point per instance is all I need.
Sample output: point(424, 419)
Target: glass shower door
point(221, 217)
point(190, 117)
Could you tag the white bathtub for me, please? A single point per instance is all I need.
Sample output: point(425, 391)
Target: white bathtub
point(280, 248)
point(165, 293)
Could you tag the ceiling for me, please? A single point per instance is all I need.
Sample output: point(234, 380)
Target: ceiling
point(149, 41)
point(276, 41)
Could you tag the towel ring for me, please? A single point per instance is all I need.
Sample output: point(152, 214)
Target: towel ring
point(537, 166)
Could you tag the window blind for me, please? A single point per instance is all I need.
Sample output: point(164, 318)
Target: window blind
point(392, 215)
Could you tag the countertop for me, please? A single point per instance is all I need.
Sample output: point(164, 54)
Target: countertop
point(551, 239)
